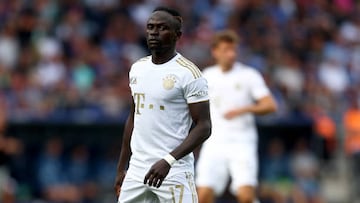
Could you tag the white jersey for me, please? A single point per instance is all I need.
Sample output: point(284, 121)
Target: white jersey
point(162, 119)
point(237, 88)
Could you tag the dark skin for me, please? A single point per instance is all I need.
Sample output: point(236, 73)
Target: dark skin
point(162, 35)
point(125, 150)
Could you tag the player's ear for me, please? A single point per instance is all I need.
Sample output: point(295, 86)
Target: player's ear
point(213, 51)
point(178, 34)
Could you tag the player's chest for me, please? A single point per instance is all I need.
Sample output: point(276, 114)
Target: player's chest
point(228, 86)
point(156, 85)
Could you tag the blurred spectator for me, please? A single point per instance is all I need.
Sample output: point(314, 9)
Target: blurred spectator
point(305, 168)
point(74, 23)
point(290, 76)
point(78, 167)
point(352, 140)
point(325, 133)
point(352, 128)
point(334, 76)
point(9, 146)
point(276, 180)
point(355, 66)
point(50, 70)
point(7, 184)
point(106, 173)
point(79, 173)
point(350, 29)
point(52, 176)
point(9, 47)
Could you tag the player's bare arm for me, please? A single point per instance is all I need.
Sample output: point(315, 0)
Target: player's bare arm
point(125, 151)
point(262, 106)
point(201, 117)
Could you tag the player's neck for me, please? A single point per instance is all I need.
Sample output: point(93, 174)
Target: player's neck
point(225, 67)
point(160, 57)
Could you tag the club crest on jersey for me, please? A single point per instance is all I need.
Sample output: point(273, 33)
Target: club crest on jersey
point(169, 82)
point(237, 86)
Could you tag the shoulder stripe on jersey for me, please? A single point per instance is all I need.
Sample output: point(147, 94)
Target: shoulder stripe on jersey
point(192, 65)
point(194, 73)
point(190, 68)
point(194, 70)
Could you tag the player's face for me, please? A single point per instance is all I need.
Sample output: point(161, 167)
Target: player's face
point(225, 54)
point(160, 31)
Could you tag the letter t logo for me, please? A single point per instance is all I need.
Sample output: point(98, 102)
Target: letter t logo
point(138, 97)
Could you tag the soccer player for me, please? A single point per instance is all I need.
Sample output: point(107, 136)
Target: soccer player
point(169, 94)
point(237, 93)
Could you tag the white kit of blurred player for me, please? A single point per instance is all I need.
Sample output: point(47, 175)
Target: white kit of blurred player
point(237, 93)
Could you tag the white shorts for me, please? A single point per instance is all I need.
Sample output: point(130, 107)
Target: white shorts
point(215, 166)
point(175, 189)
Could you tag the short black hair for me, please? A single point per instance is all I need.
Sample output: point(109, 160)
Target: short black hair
point(174, 13)
point(171, 11)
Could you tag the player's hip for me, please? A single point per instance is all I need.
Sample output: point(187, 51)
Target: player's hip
point(224, 141)
point(178, 187)
point(229, 150)
point(138, 170)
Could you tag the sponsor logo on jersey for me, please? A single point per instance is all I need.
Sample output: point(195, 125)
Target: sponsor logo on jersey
point(169, 82)
point(133, 80)
point(199, 94)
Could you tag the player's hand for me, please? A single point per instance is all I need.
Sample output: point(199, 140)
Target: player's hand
point(157, 173)
point(235, 113)
point(118, 182)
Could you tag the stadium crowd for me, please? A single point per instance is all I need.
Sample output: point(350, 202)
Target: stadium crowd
point(67, 61)
point(64, 60)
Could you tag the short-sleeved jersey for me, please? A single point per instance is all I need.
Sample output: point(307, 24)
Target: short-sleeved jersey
point(162, 119)
point(239, 87)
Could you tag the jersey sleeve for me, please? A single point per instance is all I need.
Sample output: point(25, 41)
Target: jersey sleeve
point(196, 91)
point(258, 88)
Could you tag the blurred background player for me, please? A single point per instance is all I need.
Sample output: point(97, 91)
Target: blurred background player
point(169, 94)
point(237, 93)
